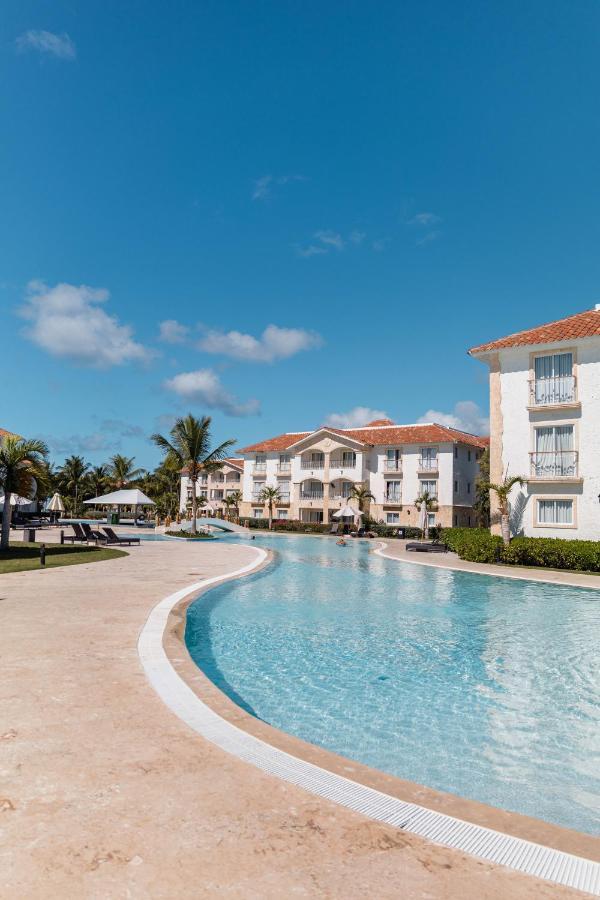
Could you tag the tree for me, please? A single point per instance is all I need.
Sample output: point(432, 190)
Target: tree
point(362, 494)
point(122, 471)
point(229, 503)
point(189, 447)
point(270, 495)
point(163, 486)
point(481, 506)
point(72, 477)
point(502, 492)
point(430, 502)
point(97, 480)
point(236, 498)
point(22, 466)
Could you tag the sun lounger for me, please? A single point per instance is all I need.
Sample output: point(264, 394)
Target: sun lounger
point(92, 535)
point(78, 534)
point(114, 538)
point(419, 547)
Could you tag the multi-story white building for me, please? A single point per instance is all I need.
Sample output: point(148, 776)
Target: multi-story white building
point(545, 424)
point(316, 471)
point(213, 487)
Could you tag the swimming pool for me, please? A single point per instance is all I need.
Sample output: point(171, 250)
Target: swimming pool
point(484, 687)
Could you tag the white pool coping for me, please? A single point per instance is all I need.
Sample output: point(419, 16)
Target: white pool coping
point(485, 843)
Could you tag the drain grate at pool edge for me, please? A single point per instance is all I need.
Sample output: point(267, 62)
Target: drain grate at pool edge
point(476, 840)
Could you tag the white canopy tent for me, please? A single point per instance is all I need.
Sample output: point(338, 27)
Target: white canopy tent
point(116, 499)
point(56, 504)
point(15, 500)
point(347, 512)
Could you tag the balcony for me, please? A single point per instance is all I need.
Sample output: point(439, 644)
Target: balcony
point(259, 468)
point(562, 464)
point(312, 464)
point(311, 495)
point(427, 464)
point(561, 391)
point(393, 466)
point(284, 500)
point(392, 500)
point(284, 468)
point(342, 464)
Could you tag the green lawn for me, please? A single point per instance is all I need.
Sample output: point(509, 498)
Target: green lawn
point(21, 556)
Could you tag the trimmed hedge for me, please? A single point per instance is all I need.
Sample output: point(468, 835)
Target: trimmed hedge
point(294, 525)
point(478, 545)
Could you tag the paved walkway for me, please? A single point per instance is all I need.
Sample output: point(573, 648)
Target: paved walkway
point(105, 794)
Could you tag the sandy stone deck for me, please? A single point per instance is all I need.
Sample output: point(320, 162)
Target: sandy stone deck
point(105, 793)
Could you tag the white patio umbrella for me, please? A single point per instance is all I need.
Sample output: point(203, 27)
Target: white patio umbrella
point(56, 504)
point(424, 518)
point(15, 500)
point(347, 512)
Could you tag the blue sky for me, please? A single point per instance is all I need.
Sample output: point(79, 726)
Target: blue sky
point(332, 202)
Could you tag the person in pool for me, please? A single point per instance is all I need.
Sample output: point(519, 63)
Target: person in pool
point(341, 542)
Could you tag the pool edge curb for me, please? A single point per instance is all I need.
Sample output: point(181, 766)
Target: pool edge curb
point(519, 854)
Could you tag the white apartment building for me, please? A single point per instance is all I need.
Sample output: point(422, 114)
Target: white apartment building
point(316, 471)
point(213, 487)
point(545, 424)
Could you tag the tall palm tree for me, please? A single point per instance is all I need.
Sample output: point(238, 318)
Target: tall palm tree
point(502, 492)
point(362, 494)
point(228, 503)
point(72, 476)
point(22, 466)
point(98, 480)
point(430, 502)
point(236, 498)
point(189, 447)
point(122, 471)
point(270, 495)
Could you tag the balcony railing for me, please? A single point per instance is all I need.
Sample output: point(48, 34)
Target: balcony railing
point(342, 464)
point(392, 465)
point(312, 463)
point(551, 391)
point(392, 498)
point(260, 467)
point(558, 464)
point(427, 464)
point(311, 495)
point(345, 497)
point(284, 500)
point(284, 467)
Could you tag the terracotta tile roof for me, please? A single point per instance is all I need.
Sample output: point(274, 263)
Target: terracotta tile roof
point(377, 436)
point(582, 325)
point(5, 433)
point(230, 461)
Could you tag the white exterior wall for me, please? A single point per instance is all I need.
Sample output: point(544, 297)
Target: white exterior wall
point(518, 439)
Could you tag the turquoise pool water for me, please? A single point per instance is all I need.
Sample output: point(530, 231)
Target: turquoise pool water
point(488, 688)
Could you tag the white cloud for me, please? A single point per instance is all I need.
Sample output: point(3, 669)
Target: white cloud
point(81, 443)
point(328, 240)
point(68, 322)
point(204, 386)
point(122, 428)
point(311, 250)
point(357, 237)
point(172, 332)
point(274, 343)
point(263, 187)
point(331, 239)
point(355, 418)
point(425, 218)
point(59, 45)
point(466, 416)
point(428, 238)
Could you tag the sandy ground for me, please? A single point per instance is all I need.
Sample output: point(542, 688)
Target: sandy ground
point(106, 794)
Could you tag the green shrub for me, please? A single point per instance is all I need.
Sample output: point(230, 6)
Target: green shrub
point(553, 553)
point(200, 536)
point(473, 544)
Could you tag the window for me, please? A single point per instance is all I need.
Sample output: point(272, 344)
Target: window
point(393, 459)
point(428, 460)
point(257, 488)
point(393, 491)
point(348, 459)
point(554, 381)
point(393, 518)
point(430, 520)
point(260, 462)
point(455, 521)
point(282, 513)
point(555, 512)
point(428, 487)
point(257, 513)
point(468, 487)
point(456, 451)
point(468, 455)
point(554, 454)
point(284, 462)
point(456, 487)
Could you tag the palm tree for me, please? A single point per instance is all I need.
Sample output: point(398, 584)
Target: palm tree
point(481, 506)
point(228, 502)
point(430, 502)
point(72, 475)
point(236, 498)
point(22, 466)
point(98, 480)
point(270, 495)
point(502, 492)
point(189, 447)
point(362, 494)
point(122, 471)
